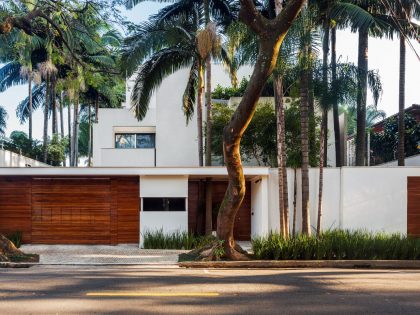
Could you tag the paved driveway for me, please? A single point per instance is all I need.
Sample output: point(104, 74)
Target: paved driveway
point(101, 255)
point(145, 290)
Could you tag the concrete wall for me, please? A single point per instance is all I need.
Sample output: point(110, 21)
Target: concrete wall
point(11, 159)
point(370, 198)
point(163, 186)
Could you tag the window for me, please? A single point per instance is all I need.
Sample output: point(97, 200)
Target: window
point(132, 141)
point(164, 204)
point(125, 141)
point(145, 140)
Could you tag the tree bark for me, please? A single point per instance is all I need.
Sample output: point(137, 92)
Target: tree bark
point(337, 141)
point(54, 107)
point(200, 114)
point(401, 105)
point(90, 137)
point(304, 122)
point(69, 133)
point(361, 97)
point(30, 102)
point(271, 34)
point(294, 202)
point(321, 173)
point(62, 120)
point(46, 108)
point(325, 99)
point(281, 157)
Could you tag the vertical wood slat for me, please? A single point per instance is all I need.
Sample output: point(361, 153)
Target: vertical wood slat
point(242, 227)
point(413, 206)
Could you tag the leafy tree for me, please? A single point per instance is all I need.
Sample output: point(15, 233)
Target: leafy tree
point(3, 118)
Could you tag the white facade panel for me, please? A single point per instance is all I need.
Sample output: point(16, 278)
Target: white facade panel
point(128, 157)
point(164, 186)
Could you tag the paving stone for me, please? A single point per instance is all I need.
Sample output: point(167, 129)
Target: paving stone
point(101, 255)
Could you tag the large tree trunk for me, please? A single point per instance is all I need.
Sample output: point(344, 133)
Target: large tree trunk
point(401, 105)
point(321, 172)
point(304, 122)
point(30, 102)
point(362, 63)
point(281, 157)
point(200, 114)
point(271, 33)
point(46, 108)
point(338, 155)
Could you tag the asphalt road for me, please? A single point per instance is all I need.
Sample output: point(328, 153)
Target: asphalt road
point(153, 290)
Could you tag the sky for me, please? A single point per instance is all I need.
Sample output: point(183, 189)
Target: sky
point(383, 56)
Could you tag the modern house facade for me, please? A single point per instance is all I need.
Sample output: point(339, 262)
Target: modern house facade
point(146, 177)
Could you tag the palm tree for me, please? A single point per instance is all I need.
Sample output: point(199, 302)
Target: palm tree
point(3, 118)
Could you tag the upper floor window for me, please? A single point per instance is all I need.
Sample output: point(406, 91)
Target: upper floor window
point(134, 140)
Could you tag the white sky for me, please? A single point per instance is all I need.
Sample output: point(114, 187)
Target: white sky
point(383, 55)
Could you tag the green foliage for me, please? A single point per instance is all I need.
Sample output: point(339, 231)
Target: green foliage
point(225, 93)
point(3, 118)
point(56, 150)
point(177, 240)
point(259, 141)
point(337, 244)
point(15, 238)
point(384, 145)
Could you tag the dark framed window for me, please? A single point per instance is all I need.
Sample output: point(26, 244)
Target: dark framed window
point(145, 140)
point(133, 140)
point(164, 204)
point(125, 141)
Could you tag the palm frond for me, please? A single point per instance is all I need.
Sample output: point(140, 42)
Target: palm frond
point(10, 76)
point(189, 97)
point(38, 101)
point(3, 118)
point(153, 71)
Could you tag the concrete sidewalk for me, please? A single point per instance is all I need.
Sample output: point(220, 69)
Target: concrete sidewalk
point(101, 255)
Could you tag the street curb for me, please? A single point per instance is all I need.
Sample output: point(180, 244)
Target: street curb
point(279, 264)
point(7, 264)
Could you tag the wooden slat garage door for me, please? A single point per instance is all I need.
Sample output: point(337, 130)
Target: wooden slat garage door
point(413, 206)
point(71, 211)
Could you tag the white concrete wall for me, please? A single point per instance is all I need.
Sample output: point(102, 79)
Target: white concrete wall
point(163, 186)
point(128, 157)
point(176, 141)
point(370, 198)
point(259, 206)
point(103, 131)
point(11, 159)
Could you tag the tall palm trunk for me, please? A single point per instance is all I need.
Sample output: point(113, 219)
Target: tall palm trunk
point(325, 101)
point(46, 109)
point(281, 157)
point(30, 102)
point(321, 172)
point(338, 154)
point(69, 133)
point(54, 107)
point(304, 123)
point(62, 120)
point(200, 114)
point(362, 64)
point(90, 137)
point(75, 130)
point(401, 105)
point(294, 201)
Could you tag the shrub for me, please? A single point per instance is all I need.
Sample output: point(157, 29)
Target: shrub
point(15, 238)
point(176, 240)
point(338, 244)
